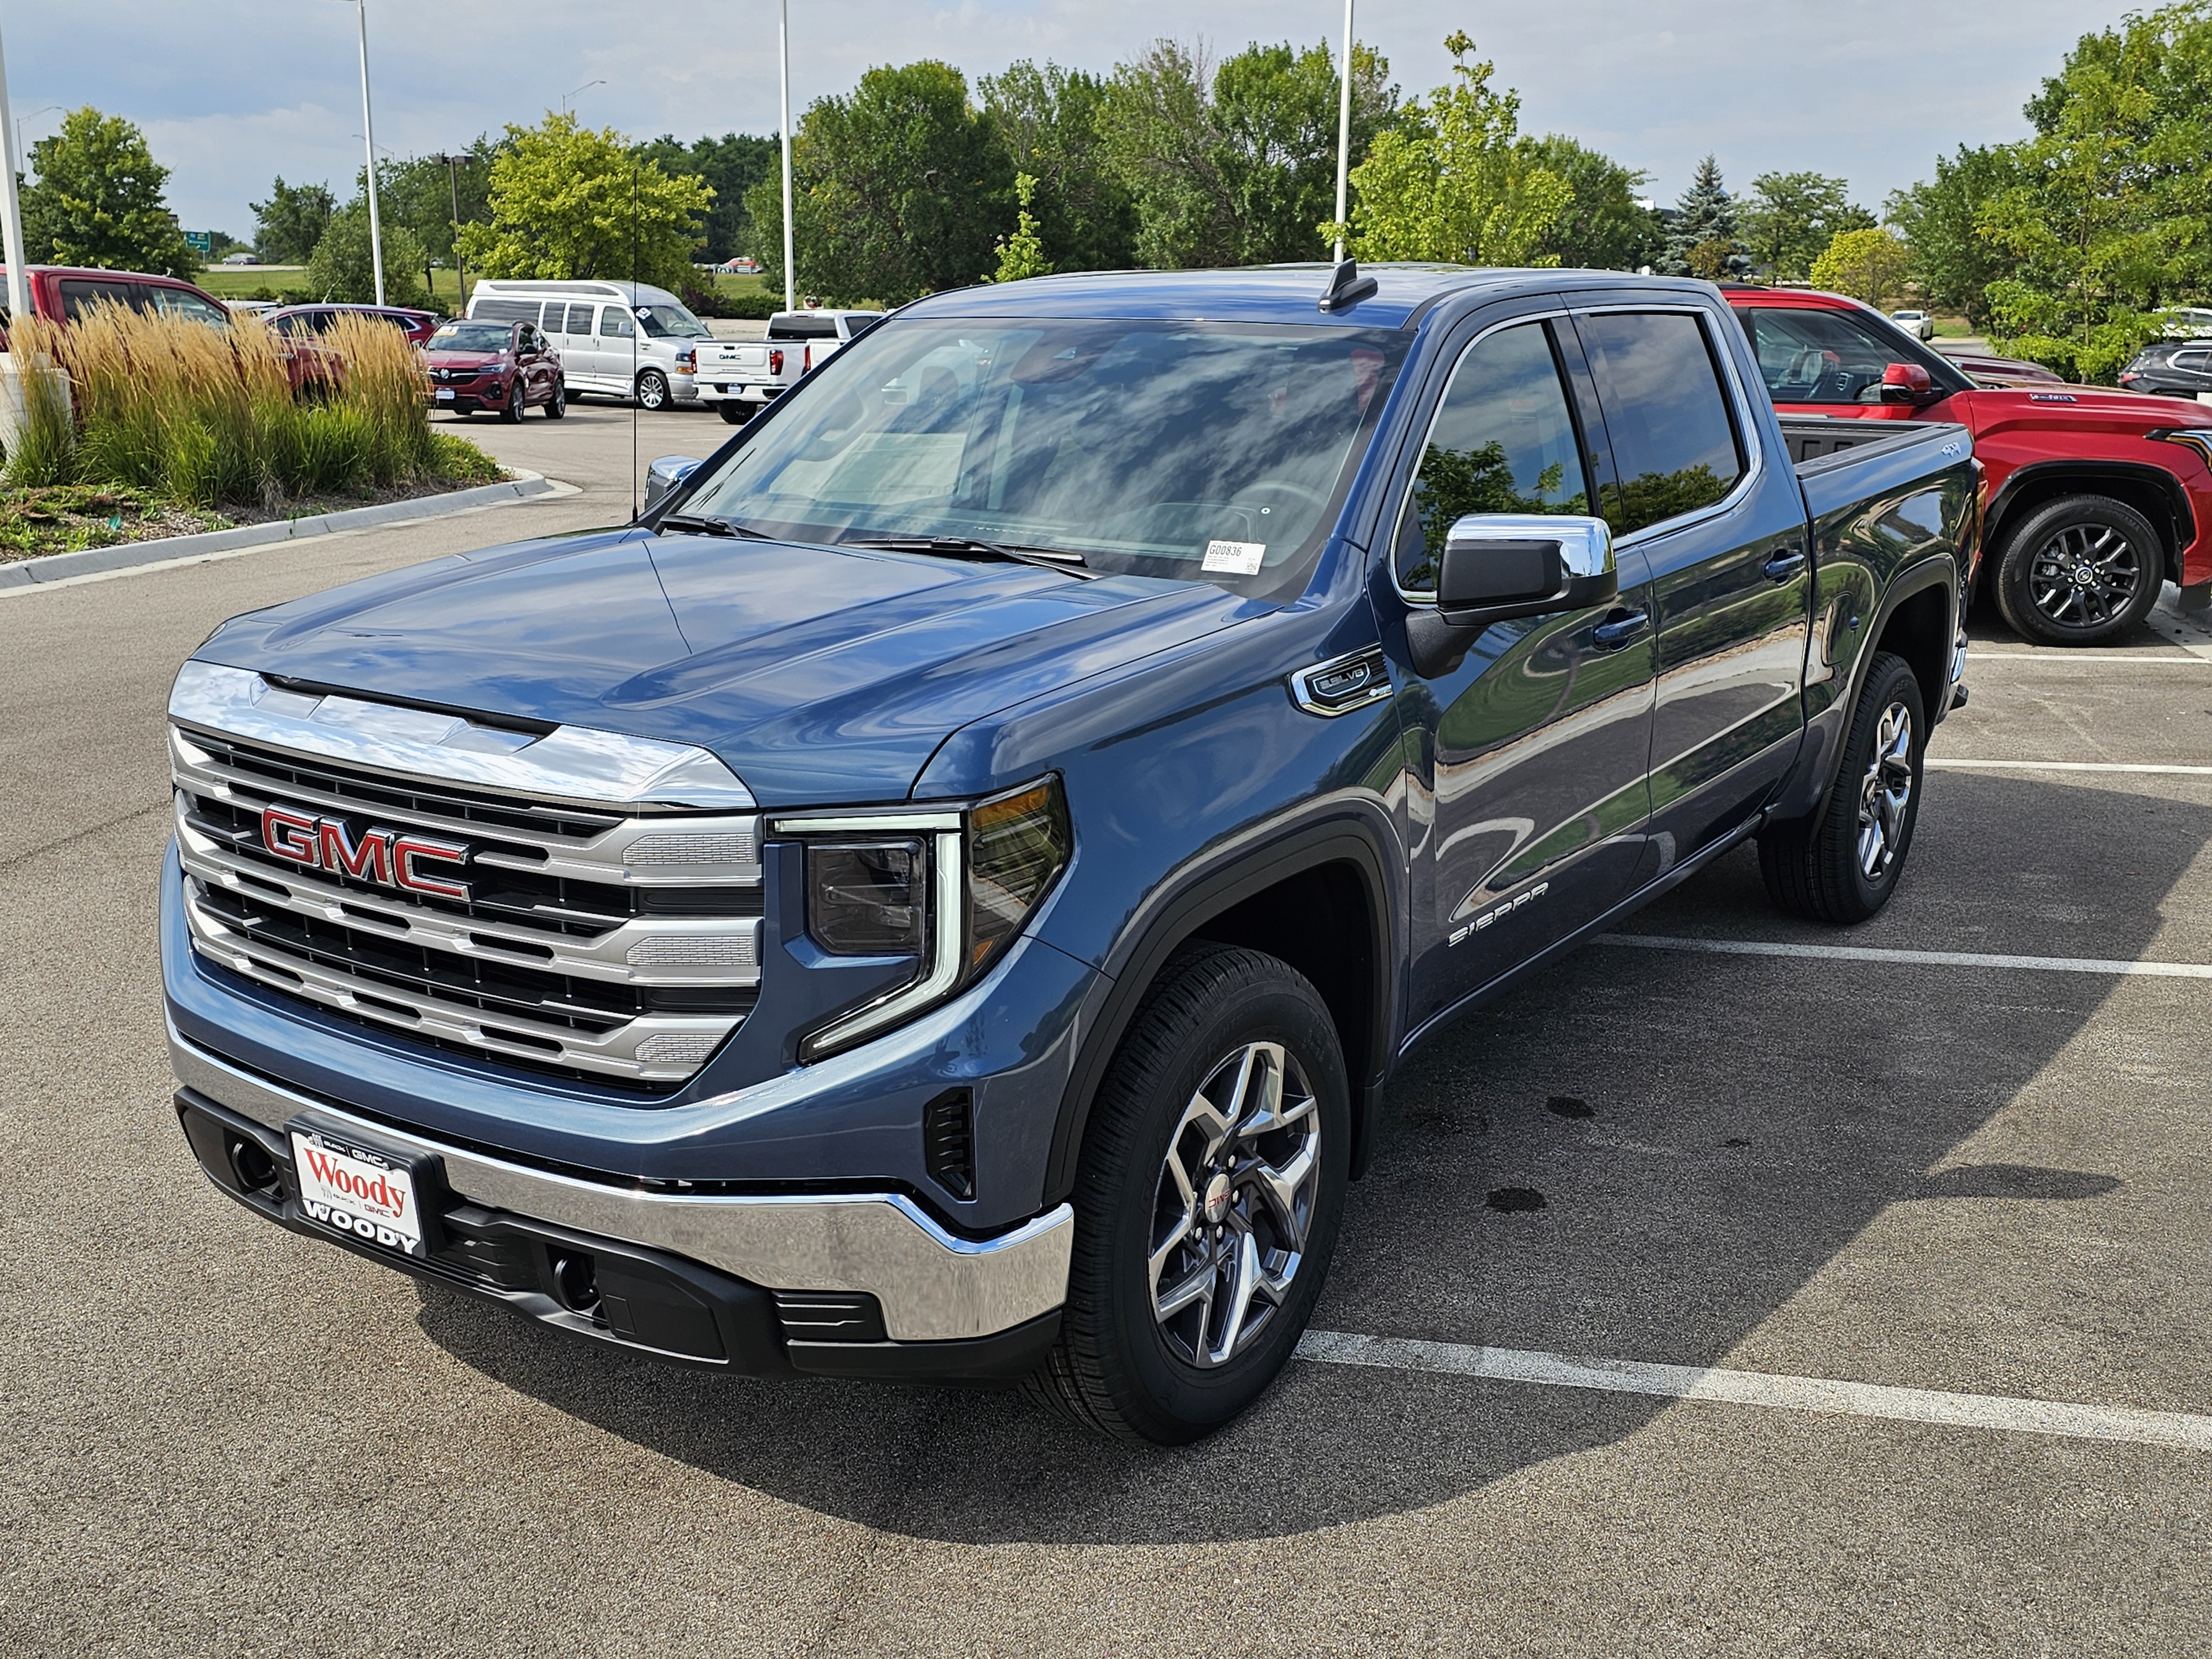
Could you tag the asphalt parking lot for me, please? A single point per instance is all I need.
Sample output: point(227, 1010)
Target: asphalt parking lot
point(1866, 1310)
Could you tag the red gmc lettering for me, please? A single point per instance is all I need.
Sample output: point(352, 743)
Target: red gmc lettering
point(288, 835)
point(370, 861)
point(406, 849)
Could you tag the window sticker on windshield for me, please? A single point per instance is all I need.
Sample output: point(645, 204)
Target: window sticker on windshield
point(1235, 558)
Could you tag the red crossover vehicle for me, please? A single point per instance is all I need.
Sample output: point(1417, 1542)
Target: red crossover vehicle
point(2095, 498)
point(299, 321)
point(502, 367)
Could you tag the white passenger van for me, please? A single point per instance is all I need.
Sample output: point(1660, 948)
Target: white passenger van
point(626, 339)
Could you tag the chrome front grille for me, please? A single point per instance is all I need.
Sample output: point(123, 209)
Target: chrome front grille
point(618, 942)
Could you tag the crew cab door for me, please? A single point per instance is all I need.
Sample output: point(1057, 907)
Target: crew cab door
point(1527, 752)
point(1721, 525)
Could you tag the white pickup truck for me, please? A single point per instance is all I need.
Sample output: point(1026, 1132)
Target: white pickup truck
point(737, 376)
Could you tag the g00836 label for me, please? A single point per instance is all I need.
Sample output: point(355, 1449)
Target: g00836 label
point(1235, 558)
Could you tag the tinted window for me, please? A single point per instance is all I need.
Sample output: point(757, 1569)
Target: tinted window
point(579, 320)
point(802, 327)
point(81, 295)
point(615, 323)
point(1502, 443)
point(506, 311)
point(1674, 441)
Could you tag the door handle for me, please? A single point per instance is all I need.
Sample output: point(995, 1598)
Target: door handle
point(1618, 629)
point(1783, 566)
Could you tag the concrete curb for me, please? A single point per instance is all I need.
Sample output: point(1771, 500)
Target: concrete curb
point(174, 550)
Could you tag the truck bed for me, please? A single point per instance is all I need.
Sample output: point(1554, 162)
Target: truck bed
point(1843, 463)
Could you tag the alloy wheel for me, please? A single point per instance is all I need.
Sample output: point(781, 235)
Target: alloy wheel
point(1235, 1205)
point(1885, 794)
point(2085, 575)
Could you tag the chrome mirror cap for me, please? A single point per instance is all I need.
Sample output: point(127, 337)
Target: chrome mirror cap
point(1585, 544)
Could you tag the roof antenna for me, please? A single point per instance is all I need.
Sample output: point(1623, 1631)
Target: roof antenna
point(634, 326)
point(1346, 286)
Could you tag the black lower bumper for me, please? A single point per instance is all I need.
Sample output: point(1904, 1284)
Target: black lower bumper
point(603, 1290)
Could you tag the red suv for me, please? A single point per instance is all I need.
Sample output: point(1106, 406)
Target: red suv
point(300, 321)
point(2096, 498)
point(62, 293)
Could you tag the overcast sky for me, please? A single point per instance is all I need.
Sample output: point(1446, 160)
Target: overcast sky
point(231, 92)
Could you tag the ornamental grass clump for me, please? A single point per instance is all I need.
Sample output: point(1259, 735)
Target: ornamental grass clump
point(206, 417)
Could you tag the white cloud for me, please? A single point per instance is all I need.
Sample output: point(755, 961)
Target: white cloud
point(232, 92)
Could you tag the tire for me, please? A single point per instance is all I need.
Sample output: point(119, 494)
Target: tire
point(1171, 1170)
point(517, 400)
point(732, 411)
point(1842, 865)
point(2078, 571)
point(653, 390)
point(556, 406)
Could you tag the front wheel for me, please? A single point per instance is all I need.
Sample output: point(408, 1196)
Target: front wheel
point(1207, 1203)
point(517, 400)
point(1842, 865)
point(556, 406)
point(652, 390)
point(2081, 570)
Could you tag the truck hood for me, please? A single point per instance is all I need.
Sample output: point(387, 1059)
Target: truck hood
point(817, 675)
point(2081, 409)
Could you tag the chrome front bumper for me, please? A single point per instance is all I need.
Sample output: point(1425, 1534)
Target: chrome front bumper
point(934, 1285)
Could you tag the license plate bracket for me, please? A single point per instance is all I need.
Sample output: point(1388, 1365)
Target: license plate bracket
point(365, 1188)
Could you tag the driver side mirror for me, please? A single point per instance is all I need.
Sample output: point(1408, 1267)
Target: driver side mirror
point(662, 478)
point(1904, 383)
point(1498, 566)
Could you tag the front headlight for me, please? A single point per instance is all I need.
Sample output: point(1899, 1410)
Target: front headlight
point(950, 888)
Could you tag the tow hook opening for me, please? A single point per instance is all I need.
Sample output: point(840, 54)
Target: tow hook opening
point(253, 1169)
point(575, 1283)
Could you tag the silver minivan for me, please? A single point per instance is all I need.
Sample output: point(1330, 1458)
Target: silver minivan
point(628, 339)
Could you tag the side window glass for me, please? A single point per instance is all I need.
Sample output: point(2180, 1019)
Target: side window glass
point(1809, 356)
point(1502, 441)
point(1675, 442)
point(615, 323)
point(579, 320)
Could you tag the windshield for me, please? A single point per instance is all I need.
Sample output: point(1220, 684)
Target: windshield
point(665, 320)
point(1210, 452)
point(471, 336)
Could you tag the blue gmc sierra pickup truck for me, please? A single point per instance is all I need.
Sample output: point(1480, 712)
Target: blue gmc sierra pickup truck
point(942, 895)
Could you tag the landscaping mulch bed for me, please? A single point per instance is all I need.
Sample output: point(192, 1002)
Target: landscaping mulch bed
point(68, 518)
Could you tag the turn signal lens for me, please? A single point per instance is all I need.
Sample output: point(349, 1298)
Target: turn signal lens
point(1017, 844)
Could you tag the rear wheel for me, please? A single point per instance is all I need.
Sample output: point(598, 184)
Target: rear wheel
point(2080, 571)
point(1842, 865)
point(732, 412)
point(1207, 1203)
point(652, 390)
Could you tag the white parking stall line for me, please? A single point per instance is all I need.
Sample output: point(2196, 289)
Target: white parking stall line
point(1954, 763)
point(1746, 947)
point(2067, 659)
point(2184, 1430)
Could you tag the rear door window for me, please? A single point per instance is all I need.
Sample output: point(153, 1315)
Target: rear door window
point(1502, 441)
point(579, 320)
point(82, 294)
point(1675, 441)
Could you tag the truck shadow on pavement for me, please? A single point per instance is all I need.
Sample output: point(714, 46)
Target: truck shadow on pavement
point(1706, 1132)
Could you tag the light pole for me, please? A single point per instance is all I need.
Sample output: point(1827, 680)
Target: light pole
point(369, 138)
point(586, 86)
point(1344, 129)
point(460, 265)
point(11, 211)
point(23, 154)
point(783, 45)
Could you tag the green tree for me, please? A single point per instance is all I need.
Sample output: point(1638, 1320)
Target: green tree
point(1052, 121)
point(1703, 241)
point(898, 190)
point(567, 201)
point(340, 268)
point(1791, 217)
point(2108, 219)
point(1952, 262)
point(1022, 255)
point(291, 222)
point(1867, 265)
point(1236, 164)
point(1452, 182)
point(1606, 227)
point(418, 192)
point(730, 166)
point(98, 200)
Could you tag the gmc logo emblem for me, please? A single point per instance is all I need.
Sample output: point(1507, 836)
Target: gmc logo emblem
point(384, 856)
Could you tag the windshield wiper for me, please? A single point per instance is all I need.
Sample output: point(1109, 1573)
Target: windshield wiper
point(696, 524)
point(1044, 558)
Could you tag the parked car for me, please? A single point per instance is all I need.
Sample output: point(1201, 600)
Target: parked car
point(316, 320)
point(1918, 323)
point(2172, 368)
point(745, 265)
point(2096, 498)
point(63, 293)
point(505, 367)
point(2188, 322)
point(242, 257)
point(626, 339)
point(1998, 374)
point(943, 896)
point(737, 376)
